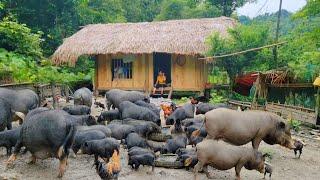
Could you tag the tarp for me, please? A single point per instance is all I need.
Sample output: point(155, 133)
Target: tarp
point(244, 83)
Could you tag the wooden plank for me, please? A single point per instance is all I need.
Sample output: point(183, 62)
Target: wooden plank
point(291, 85)
point(150, 71)
point(138, 72)
point(95, 83)
point(184, 77)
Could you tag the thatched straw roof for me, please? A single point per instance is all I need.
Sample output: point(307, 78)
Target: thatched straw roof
point(175, 36)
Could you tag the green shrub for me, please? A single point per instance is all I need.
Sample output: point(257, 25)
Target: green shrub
point(218, 97)
point(295, 125)
point(19, 38)
point(181, 100)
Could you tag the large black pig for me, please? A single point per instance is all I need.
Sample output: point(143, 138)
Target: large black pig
point(9, 138)
point(120, 131)
point(83, 136)
point(23, 100)
point(130, 110)
point(178, 114)
point(109, 115)
point(144, 128)
point(189, 108)
point(105, 130)
point(150, 106)
point(81, 120)
point(83, 96)
point(115, 96)
point(103, 148)
point(77, 109)
point(172, 145)
point(203, 108)
point(5, 115)
point(46, 134)
point(134, 139)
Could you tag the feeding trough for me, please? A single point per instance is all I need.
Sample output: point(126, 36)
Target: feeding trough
point(161, 137)
point(168, 161)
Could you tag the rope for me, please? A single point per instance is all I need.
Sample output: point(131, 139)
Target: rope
point(242, 52)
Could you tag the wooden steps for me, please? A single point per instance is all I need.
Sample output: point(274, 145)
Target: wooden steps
point(167, 92)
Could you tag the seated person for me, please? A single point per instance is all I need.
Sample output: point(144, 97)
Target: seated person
point(160, 83)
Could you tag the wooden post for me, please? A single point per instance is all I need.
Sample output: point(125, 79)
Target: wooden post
point(95, 79)
point(318, 103)
point(66, 90)
point(53, 96)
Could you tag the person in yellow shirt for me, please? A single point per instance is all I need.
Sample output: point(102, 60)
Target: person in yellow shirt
point(160, 83)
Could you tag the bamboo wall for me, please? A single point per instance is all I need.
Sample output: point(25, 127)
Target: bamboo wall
point(189, 77)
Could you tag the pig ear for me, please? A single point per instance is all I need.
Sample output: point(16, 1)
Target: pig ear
point(282, 125)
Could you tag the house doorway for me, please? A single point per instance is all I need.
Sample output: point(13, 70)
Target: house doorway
point(162, 62)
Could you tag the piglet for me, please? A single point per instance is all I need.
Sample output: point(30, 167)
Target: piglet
point(267, 169)
point(298, 147)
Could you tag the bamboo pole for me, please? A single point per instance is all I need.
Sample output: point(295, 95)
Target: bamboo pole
point(242, 52)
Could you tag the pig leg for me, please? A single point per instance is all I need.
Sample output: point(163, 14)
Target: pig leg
point(295, 153)
point(238, 169)
point(62, 167)
point(8, 151)
point(205, 169)
point(300, 152)
point(256, 142)
point(196, 169)
point(9, 126)
point(16, 150)
point(265, 172)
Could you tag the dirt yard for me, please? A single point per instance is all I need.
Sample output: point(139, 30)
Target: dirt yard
point(80, 167)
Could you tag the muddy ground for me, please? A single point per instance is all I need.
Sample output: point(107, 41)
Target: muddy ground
point(80, 167)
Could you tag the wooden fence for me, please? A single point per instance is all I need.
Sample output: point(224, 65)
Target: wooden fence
point(43, 90)
point(303, 114)
point(295, 112)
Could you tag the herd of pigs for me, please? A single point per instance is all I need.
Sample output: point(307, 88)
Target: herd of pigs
point(217, 137)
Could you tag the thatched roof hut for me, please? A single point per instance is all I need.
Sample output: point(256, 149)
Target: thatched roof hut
point(130, 55)
point(175, 37)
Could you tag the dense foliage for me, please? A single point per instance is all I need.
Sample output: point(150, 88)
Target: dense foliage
point(30, 31)
point(18, 38)
point(240, 38)
point(61, 18)
point(300, 54)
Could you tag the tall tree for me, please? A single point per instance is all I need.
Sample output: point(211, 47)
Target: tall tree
point(184, 9)
point(228, 6)
point(141, 10)
point(241, 38)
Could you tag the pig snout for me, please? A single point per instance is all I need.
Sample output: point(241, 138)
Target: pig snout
point(288, 142)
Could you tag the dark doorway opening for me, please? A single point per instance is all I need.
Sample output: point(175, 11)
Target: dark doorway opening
point(162, 62)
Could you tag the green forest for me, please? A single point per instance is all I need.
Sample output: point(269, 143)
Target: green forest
point(31, 30)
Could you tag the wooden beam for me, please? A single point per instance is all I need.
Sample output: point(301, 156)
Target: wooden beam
point(210, 59)
point(291, 85)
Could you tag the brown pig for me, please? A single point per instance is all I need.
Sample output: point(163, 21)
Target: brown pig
point(223, 156)
point(239, 128)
